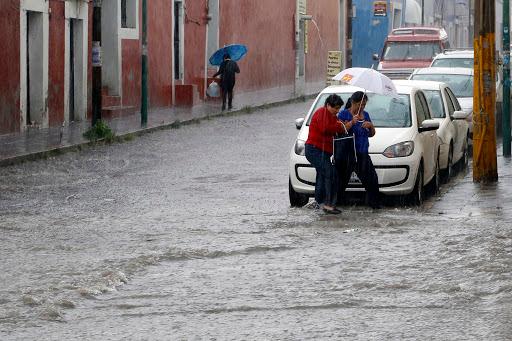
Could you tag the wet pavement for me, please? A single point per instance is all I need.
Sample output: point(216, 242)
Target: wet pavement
point(188, 234)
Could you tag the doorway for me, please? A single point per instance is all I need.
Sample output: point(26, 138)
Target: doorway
point(178, 40)
point(77, 72)
point(35, 108)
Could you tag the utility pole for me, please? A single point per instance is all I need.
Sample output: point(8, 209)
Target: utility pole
point(96, 62)
point(484, 100)
point(506, 79)
point(144, 80)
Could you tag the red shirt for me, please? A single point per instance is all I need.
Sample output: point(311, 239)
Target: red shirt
point(322, 128)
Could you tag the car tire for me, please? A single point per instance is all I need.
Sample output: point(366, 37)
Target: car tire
point(464, 160)
point(296, 199)
point(450, 170)
point(435, 183)
point(418, 194)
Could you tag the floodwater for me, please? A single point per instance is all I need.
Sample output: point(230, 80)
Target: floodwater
point(187, 234)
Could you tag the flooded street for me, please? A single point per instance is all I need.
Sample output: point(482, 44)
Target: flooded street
point(187, 234)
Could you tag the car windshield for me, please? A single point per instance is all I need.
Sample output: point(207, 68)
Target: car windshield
point(435, 102)
point(385, 111)
point(408, 50)
point(453, 62)
point(461, 85)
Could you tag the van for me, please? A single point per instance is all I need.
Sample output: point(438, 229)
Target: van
point(408, 48)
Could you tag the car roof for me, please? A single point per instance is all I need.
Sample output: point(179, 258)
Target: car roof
point(400, 89)
point(426, 85)
point(443, 70)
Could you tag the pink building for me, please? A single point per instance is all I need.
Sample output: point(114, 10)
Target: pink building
point(46, 44)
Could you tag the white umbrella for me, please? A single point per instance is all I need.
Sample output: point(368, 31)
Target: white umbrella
point(368, 79)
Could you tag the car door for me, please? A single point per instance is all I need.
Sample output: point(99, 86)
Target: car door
point(460, 126)
point(428, 138)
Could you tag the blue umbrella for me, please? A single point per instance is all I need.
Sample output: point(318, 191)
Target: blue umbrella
point(235, 51)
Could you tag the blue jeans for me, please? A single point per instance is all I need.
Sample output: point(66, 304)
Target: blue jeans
point(326, 185)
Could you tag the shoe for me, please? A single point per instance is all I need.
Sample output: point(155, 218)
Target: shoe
point(230, 107)
point(313, 205)
point(375, 206)
point(223, 108)
point(332, 211)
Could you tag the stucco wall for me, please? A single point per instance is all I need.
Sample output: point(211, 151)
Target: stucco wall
point(160, 53)
point(10, 66)
point(131, 74)
point(195, 40)
point(267, 28)
point(322, 39)
point(56, 64)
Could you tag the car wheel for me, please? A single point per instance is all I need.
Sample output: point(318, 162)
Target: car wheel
point(435, 183)
point(418, 194)
point(464, 160)
point(296, 199)
point(448, 173)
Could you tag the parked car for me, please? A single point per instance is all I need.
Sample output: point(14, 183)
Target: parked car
point(454, 58)
point(405, 149)
point(460, 81)
point(453, 129)
point(465, 58)
point(407, 48)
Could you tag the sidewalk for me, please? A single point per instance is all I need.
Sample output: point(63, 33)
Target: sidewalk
point(37, 143)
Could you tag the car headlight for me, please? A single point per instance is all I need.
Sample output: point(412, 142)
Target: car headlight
point(300, 147)
point(399, 150)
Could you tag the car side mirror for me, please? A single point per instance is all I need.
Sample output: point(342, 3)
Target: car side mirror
point(375, 56)
point(298, 123)
point(460, 115)
point(428, 125)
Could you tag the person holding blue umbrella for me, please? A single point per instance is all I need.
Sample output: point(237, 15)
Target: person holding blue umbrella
point(227, 70)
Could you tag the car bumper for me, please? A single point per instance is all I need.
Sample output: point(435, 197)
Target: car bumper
point(396, 176)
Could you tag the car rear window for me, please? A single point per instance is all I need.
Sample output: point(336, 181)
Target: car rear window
point(408, 50)
point(461, 85)
point(385, 111)
point(453, 62)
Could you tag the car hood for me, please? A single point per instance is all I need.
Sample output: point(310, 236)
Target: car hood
point(385, 137)
point(466, 103)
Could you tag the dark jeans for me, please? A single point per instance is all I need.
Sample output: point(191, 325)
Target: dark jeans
point(326, 179)
point(365, 172)
point(227, 92)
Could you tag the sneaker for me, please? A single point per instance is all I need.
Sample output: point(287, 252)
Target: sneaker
point(332, 211)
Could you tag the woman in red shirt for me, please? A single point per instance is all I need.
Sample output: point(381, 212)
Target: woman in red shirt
point(322, 128)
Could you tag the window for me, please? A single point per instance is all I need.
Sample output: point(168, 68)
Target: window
point(451, 106)
point(421, 111)
point(129, 13)
point(436, 103)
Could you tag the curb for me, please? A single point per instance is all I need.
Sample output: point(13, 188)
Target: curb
point(119, 138)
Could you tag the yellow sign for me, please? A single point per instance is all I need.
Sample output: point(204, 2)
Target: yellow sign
point(334, 65)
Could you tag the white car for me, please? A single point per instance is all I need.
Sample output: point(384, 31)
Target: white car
point(404, 150)
point(454, 58)
point(465, 58)
point(453, 129)
point(460, 81)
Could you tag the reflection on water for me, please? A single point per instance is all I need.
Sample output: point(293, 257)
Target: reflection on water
point(194, 239)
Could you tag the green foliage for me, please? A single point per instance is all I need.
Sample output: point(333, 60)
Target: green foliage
point(100, 131)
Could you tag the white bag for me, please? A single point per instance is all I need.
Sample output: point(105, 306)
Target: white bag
point(213, 89)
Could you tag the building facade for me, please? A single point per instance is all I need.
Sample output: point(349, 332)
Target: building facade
point(46, 48)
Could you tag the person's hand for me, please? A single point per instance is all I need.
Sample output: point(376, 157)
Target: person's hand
point(354, 120)
point(367, 124)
